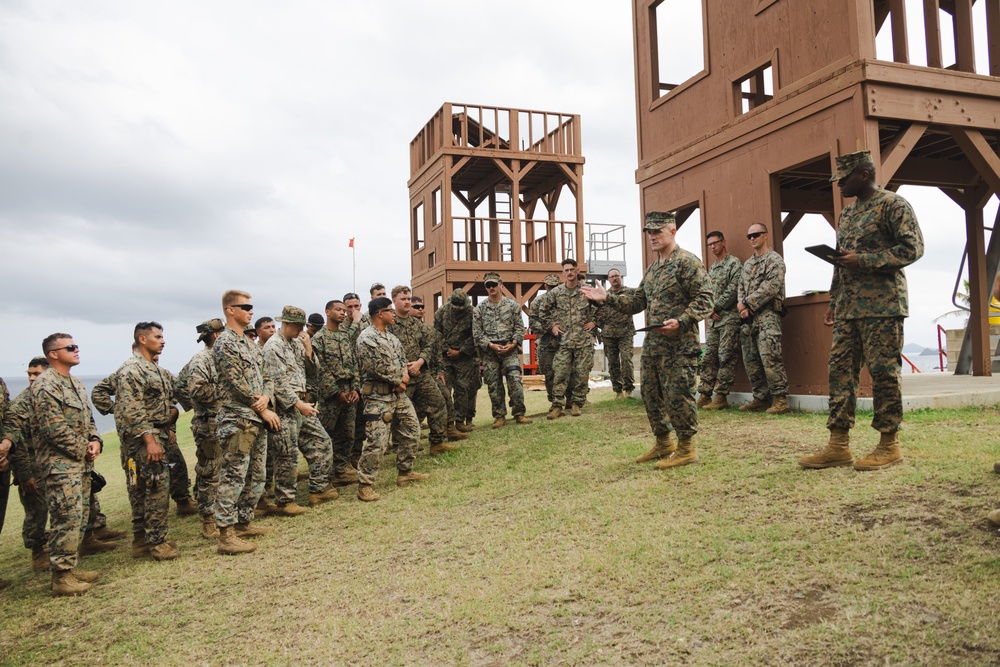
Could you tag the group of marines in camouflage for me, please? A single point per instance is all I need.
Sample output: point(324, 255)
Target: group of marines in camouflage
point(341, 392)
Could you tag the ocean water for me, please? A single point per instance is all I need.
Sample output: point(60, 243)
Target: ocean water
point(105, 424)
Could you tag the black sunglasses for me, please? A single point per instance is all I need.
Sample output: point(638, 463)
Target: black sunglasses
point(68, 348)
point(243, 306)
point(418, 306)
point(491, 285)
point(351, 295)
point(754, 235)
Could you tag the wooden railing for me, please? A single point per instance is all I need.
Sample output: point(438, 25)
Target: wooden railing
point(489, 240)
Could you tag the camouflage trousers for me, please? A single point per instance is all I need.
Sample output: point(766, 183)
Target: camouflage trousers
point(618, 352)
point(667, 387)
point(762, 360)
point(4, 495)
point(180, 481)
point(359, 432)
point(269, 468)
point(241, 472)
point(96, 518)
point(388, 416)
point(299, 433)
point(67, 493)
point(425, 394)
point(495, 369)
point(572, 367)
point(36, 515)
point(545, 351)
point(150, 485)
point(462, 380)
point(722, 351)
point(876, 342)
point(339, 420)
point(206, 468)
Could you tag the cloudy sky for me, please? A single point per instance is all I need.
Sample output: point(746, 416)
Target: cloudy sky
point(155, 154)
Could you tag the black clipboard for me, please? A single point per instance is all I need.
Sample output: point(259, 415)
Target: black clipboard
point(650, 327)
point(825, 253)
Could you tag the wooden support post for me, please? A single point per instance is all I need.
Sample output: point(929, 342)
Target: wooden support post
point(965, 49)
point(896, 152)
point(897, 18)
point(993, 35)
point(979, 325)
point(932, 32)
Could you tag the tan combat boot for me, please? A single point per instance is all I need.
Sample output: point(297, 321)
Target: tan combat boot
point(994, 517)
point(575, 410)
point(885, 454)
point(139, 547)
point(685, 454)
point(187, 507)
point(996, 467)
point(320, 498)
point(464, 428)
point(522, 419)
point(554, 413)
point(718, 402)
point(39, 559)
point(91, 545)
point(262, 509)
point(64, 583)
point(230, 543)
point(664, 447)
point(499, 422)
point(837, 452)
point(754, 406)
point(410, 477)
point(779, 407)
point(289, 509)
point(346, 478)
point(704, 399)
point(366, 493)
point(442, 447)
point(250, 530)
point(454, 434)
point(208, 528)
point(163, 551)
point(86, 576)
point(104, 534)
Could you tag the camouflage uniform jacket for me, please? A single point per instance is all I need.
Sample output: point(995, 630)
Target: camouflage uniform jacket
point(570, 309)
point(144, 399)
point(498, 322)
point(61, 421)
point(415, 339)
point(675, 287)
point(455, 326)
point(535, 316)
point(180, 387)
point(104, 392)
point(241, 377)
point(725, 275)
point(337, 361)
point(285, 363)
point(202, 384)
point(883, 231)
point(381, 359)
point(614, 323)
point(762, 283)
point(17, 429)
point(436, 363)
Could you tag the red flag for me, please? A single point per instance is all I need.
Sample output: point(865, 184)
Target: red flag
point(351, 244)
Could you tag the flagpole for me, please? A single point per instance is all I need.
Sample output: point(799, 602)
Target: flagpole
point(354, 266)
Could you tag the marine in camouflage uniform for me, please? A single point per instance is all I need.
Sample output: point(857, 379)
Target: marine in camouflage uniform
point(453, 320)
point(241, 431)
point(618, 334)
point(760, 301)
point(24, 465)
point(546, 344)
point(197, 382)
point(388, 410)
point(145, 412)
point(339, 388)
point(676, 291)
point(286, 359)
point(878, 236)
point(722, 328)
point(498, 331)
point(418, 346)
point(569, 310)
point(68, 443)
point(5, 460)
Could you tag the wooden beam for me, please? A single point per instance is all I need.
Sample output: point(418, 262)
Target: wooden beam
point(894, 154)
point(806, 201)
point(459, 163)
point(932, 32)
point(954, 194)
point(934, 172)
point(980, 154)
point(979, 299)
point(790, 221)
point(965, 43)
point(900, 47)
point(993, 35)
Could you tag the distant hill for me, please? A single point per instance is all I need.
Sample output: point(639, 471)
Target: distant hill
point(915, 349)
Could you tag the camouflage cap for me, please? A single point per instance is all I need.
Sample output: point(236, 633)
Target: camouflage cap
point(250, 329)
point(209, 326)
point(317, 320)
point(552, 280)
point(656, 220)
point(292, 315)
point(492, 277)
point(460, 298)
point(848, 163)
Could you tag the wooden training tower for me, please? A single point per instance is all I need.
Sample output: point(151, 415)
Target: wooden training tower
point(782, 88)
point(477, 176)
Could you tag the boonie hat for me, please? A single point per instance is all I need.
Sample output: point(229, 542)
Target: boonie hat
point(459, 297)
point(552, 280)
point(292, 315)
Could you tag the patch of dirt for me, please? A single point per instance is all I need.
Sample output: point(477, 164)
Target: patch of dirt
point(807, 608)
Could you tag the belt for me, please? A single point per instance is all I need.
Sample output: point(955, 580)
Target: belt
point(304, 396)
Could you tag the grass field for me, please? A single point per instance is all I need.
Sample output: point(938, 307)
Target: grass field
point(546, 545)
